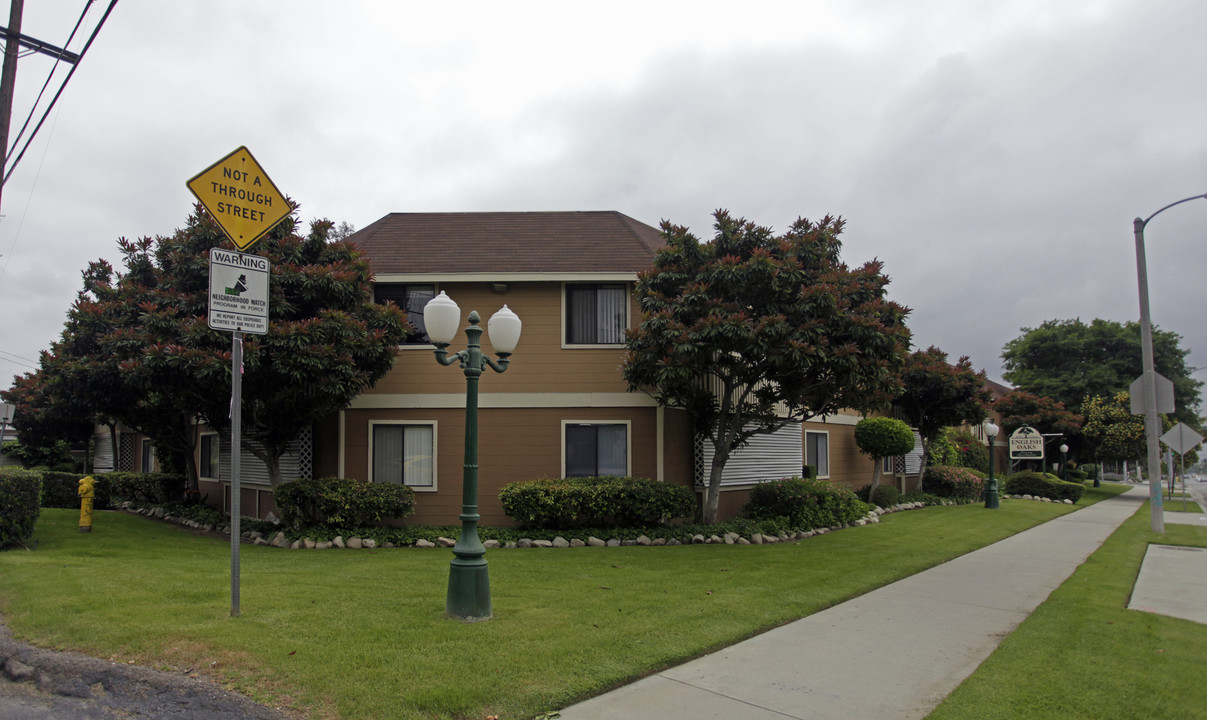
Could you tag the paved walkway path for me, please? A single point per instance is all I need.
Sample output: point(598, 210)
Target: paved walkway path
point(892, 654)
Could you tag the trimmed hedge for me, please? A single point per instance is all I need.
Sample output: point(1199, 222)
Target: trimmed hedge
point(602, 502)
point(61, 490)
point(805, 503)
point(155, 488)
point(341, 503)
point(953, 482)
point(20, 491)
point(1041, 485)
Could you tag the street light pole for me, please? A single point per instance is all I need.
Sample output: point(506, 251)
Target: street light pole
point(1152, 424)
point(991, 494)
point(468, 579)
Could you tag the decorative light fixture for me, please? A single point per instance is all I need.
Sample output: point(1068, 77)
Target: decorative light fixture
point(468, 580)
point(991, 495)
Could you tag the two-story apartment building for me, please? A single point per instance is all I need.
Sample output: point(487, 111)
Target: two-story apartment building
point(560, 409)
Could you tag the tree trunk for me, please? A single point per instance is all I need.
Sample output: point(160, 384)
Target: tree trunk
point(875, 482)
point(712, 495)
point(922, 466)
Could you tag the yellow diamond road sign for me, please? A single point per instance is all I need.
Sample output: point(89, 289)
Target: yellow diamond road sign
point(240, 197)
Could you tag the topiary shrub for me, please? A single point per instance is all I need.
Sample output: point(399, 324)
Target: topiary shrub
point(602, 502)
point(805, 503)
point(953, 482)
point(885, 496)
point(341, 503)
point(154, 488)
point(20, 492)
point(1041, 485)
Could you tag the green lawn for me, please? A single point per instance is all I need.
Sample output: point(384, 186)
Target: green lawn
point(361, 634)
point(1083, 654)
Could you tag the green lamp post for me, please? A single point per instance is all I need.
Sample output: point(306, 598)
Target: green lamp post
point(1064, 462)
point(991, 496)
point(468, 582)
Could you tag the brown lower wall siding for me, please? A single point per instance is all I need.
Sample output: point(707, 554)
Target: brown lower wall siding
point(513, 445)
point(254, 500)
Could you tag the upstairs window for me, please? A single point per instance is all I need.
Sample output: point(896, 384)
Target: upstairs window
point(411, 299)
point(596, 314)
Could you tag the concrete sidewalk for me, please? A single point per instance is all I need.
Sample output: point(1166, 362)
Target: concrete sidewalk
point(893, 653)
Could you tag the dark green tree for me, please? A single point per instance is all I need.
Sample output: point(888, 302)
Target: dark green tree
point(1069, 361)
point(1049, 416)
point(755, 331)
point(137, 346)
point(937, 394)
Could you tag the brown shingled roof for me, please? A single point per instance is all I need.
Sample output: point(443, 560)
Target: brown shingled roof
point(506, 242)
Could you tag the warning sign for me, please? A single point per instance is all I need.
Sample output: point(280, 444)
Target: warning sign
point(240, 197)
point(238, 292)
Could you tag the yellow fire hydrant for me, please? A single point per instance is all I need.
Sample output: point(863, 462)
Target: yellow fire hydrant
point(87, 492)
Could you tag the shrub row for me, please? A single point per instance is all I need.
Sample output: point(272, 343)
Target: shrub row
point(341, 502)
point(602, 502)
point(20, 490)
point(61, 490)
point(156, 488)
point(953, 482)
point(886, 495)
point(805, 504)
point(1039, 484)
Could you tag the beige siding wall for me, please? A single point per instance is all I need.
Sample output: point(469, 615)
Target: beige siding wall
point(848, 466)
point(540, 364)
point(513, 444)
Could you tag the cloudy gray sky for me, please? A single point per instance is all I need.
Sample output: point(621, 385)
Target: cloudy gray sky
point(993, 155)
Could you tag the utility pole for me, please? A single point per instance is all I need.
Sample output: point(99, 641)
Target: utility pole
point(8, 76)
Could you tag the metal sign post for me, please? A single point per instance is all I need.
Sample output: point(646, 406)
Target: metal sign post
point(246, 204)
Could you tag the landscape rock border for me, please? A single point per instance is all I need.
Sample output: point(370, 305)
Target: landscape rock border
point(278, 538)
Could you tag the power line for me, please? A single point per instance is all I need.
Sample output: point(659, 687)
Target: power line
point(59, 57)
point(66, 80)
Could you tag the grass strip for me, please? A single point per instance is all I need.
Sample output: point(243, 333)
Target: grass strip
point(360, 634)
point(1083, 654)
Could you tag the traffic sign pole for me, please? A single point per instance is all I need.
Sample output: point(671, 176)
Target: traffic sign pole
point(245, 203)
point(236, 458)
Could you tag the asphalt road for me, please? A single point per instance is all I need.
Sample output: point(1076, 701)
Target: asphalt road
point(37, 684)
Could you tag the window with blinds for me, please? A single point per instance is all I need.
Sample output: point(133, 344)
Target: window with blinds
point(404, 454)
point(595, 450)
point(411, 299)
point(596, 314)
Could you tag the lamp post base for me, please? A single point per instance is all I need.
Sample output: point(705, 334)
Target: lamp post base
point(991, 496)
point(468, 591)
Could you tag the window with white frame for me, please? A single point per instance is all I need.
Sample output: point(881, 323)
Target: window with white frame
point(887, 464)
point(404, 453)
point(596, 314)
point(210, 445)
point(596, 449)
point(411, 299)
point(817, 452)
